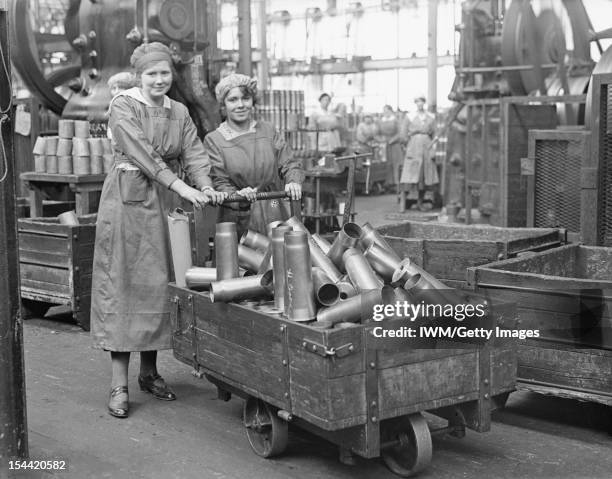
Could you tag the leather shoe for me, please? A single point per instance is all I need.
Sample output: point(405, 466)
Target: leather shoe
point(155, 384)
point(116, 407)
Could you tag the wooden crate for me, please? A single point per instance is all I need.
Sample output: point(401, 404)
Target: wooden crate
point(447, 250)
point(55, 264)
point(333, 380)
point(566, 293)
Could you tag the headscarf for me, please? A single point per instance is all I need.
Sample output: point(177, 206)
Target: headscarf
point(149, 53)
point(232, 81)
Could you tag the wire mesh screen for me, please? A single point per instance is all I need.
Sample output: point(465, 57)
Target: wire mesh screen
point(557, 183)
point(605, 162)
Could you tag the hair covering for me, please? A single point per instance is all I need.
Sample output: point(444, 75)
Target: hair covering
point(232, 81)
point(123, 80)
point(323, 95)
point(421, 97)
point(147, 54)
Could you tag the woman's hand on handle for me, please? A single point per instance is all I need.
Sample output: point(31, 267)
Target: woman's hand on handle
point(248, 193)
point(197, 198)
point(214, 197)
point(294, 190)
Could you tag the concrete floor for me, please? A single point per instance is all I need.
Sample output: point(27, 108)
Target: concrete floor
point(198, 436)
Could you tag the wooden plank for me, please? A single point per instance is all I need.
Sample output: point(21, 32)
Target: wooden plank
point(58, 260)
point(427, 380)
point(503, 370)
point(407, 248)
point(450, 259)
point(594, 263)
point(32, 272)
point(44, 244)
point(577, 369)
point(62, 293)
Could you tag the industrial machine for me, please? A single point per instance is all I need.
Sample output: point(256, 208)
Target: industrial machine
point(500, 71)
point(102, 36)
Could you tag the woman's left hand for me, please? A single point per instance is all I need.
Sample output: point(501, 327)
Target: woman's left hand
point(294, 190)
point(214, 197)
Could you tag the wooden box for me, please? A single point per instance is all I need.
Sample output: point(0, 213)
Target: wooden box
point(334, 380)
point(566, 294)
point(55, 264)
point(446, 251)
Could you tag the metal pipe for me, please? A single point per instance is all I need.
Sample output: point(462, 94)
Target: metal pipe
point(200, 278)
point(271, 226)
point(322, 243)
point(359, 271)
point(326, 292)
point(255, 240)
point(346, 288)
point(236, 289)
point(318, 257)
point(278, 262)
point(383, 262)
point(226, 251)
point(249, 259)
point(299, 289)
point(347, 237)
point(355, 309)
point(370, 235)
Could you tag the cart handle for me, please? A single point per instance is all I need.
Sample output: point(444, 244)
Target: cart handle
point(296, 206)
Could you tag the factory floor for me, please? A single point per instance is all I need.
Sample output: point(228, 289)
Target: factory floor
point(198, 436)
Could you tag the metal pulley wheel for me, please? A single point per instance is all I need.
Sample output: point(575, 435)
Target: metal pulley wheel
point(520, 41)
point(267, 433)
point(411, 448)
point(25, 57)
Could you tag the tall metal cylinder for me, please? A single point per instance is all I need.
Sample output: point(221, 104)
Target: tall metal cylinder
point(299, 289)
point(322, 243)
point(226, 251)
point(359, 271)
point(326, 292)
point(370, 235)
point(236, 289)
point(255, 240)
point(347, 237)
point(318, 257)
point(355, 309)
point(278, 262)
point(250, 259)
point(383, 262)
point(200, 278)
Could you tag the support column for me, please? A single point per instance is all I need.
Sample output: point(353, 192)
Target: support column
point(245, 62)
point(432, 56)
point(13, 429)
point(264, 67)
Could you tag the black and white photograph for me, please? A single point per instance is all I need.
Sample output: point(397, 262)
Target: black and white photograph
point(305, 239)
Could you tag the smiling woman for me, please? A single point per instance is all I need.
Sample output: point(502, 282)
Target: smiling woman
point(248, 156)
point(153, 137)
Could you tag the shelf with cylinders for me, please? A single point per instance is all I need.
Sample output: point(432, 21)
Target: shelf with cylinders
point(285, 110)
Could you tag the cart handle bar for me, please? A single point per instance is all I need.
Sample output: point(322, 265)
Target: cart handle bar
point(264, 195)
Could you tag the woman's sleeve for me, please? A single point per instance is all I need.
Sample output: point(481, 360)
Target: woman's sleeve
point(218, 172)
point(195, 160)
point(290, 168)
point(128, 134)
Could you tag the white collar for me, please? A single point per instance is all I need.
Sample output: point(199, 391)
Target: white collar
point(136, 94)
point(229, 133)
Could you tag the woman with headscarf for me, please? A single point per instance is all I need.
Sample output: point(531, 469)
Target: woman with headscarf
point(249, 156)
point(326, 123)
point(153, 136)
point(420, 172)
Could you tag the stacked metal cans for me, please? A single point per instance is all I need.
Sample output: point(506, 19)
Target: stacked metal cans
point(285, 110)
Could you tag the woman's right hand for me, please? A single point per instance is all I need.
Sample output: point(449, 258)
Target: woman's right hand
point(248, 193)
point(197, 198)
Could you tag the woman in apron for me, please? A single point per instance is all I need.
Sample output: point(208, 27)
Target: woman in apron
point(389, 128)
point(249, 156)
point(420, 172)
point(152, 137)
point(326, 124)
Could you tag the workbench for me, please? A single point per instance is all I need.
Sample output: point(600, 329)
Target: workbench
point(86, 189)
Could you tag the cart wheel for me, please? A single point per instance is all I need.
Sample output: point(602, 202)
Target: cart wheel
point(267, 433)
point(413, 453)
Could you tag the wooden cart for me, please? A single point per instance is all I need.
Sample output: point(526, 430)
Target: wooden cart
point(566, 293)
point(55, 263)
point(335, 384)
point(447, 250)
